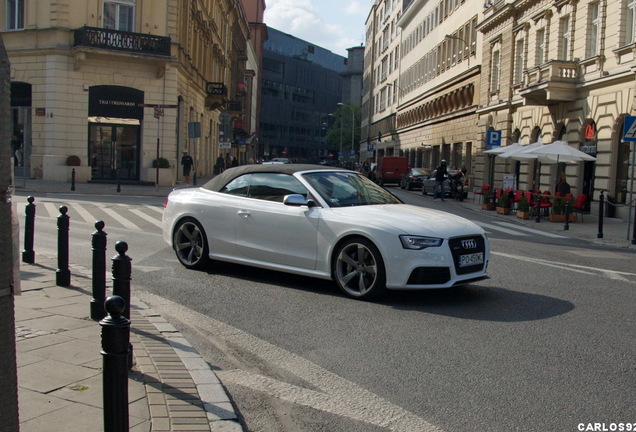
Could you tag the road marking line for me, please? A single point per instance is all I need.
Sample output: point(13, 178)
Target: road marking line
point(522, 228)
point(88, 217)
point(51, 208)
point(505, 230)
point(146, 217)
point(155, 208)
point(118, 217)
point(326, 391)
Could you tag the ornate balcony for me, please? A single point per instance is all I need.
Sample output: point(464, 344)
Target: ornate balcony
point(109, 39)
point(216, 95)
point(551, 82)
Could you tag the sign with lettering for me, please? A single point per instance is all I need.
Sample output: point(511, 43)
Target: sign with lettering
point(115, 101)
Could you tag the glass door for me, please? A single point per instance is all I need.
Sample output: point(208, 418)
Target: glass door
point(114, 152)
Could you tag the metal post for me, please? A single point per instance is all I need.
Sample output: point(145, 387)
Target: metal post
point(115, 343)
point(601, 206)
point(537, 207)
point(566, 227)
point(28, 254)
point(121, 280)
point(62, 274)
point(118, 180)
point(99, 272)
point(73, 179)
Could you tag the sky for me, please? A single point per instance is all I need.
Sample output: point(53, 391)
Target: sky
point(332, 24)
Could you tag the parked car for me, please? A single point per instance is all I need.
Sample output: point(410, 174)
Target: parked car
point(428, 184)
point(323, 222)
point(413, 178)
point(391, 169)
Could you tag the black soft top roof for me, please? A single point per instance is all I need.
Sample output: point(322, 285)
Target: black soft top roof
point(217, 183)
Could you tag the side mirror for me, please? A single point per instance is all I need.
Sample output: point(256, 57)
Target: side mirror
point(298, 200)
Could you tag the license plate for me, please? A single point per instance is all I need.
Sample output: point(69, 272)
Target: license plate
point(471, 259)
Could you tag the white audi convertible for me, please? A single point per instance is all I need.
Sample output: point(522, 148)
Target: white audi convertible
point(324, 222)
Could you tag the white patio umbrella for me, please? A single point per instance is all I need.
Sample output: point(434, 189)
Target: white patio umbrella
point(501, 150)
point(558, 151)
point(521, 152)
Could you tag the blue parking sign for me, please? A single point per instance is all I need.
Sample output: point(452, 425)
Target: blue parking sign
point(629, 128)
point(493, 138)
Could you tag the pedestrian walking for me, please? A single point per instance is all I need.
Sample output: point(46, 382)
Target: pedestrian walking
point(188, 163)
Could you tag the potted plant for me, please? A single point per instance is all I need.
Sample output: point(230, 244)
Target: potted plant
point(486, 203)
point(503, 205)
point(558, 211)
point(523, 212)
point(73, 161)
point(160, 163)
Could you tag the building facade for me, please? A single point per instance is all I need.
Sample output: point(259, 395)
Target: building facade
point(562, 70)
point(121, 84)
point(302, 85)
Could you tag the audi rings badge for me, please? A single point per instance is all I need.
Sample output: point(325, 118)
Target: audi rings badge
point(469, 244)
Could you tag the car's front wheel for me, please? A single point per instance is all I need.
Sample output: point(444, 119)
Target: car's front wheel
point(190, 244)
point(359, 269)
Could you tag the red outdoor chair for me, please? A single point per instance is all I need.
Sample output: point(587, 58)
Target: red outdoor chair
point(580, 205)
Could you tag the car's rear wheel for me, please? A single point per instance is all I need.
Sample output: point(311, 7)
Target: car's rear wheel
point(359, 269)
point(190, 244)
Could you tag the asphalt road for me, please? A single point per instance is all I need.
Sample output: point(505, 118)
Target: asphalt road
point(545, 345)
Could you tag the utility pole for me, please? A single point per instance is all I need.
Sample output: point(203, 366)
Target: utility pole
point(9, 418)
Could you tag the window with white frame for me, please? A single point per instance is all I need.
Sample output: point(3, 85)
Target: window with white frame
point(520, 59)
point(630, 21)
point(15, 14)
point(593, 42)
point(119, 15)
point(565, 40)
point(540, 54)
point(495, 65)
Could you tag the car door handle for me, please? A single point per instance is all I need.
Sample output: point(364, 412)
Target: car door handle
point(244, 213)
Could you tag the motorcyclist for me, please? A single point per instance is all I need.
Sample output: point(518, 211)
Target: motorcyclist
point(440, 175)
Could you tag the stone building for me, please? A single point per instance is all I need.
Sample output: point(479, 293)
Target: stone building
point(561, 70)
point(121, 83)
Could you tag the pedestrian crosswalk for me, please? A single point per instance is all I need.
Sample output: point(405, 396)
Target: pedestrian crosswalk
point(515, 230)
point(135, 217)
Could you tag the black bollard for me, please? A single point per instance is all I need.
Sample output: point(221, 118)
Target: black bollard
point(62, 274)
point(537, 208)
point(121, 280)
point(634, 231)
point(566, 227)
point(115, 343)
point(28, 254)
point(73, 179)
point(601, 206)
point(99, 272)
point(118, 181)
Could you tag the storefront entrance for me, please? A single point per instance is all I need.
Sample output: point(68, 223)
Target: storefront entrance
point(114, 152)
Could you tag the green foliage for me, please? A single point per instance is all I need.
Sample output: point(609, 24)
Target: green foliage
point(486, 197)
point(523, 204)
point(161, 163)
point(558, 206)
point(73, 161)
point(504, 200)
point(342, 128)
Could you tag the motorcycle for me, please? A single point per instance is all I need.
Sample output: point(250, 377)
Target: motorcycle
point(456, 183)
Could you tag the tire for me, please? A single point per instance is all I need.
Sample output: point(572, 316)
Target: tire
point(358, 269)
point(409, 186)
point(191, 244)
point(423, 190)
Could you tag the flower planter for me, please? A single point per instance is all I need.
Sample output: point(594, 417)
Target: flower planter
point(503, 210)
point(561, 218)
point(523, 215)
point(487, 206)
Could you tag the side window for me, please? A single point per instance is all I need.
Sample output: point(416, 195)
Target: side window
point(239, 186)
point(274, 187)
point(15, 14)
point(119, 15)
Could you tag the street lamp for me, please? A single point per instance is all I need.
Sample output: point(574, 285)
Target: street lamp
point(340, 149)
point(460, 39)
point(353, 120)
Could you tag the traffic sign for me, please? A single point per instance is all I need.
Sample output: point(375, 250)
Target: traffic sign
point(493, 138)
point(629, 128)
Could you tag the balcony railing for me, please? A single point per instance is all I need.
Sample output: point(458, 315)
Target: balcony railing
point(122, 41)
point(551, 82)
point(555, 70)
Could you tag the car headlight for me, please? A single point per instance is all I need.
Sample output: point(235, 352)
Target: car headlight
point(419, 243)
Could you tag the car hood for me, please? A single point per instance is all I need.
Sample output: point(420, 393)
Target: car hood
point(409, 219)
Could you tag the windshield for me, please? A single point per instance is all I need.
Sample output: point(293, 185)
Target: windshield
point(343, 189)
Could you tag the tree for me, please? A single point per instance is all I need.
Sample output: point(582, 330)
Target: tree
point(342, 128)
point(9, 420)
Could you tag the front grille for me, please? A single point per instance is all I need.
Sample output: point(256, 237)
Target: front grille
point(429, 276)
point(467, 245)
